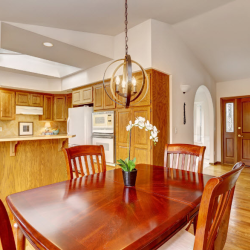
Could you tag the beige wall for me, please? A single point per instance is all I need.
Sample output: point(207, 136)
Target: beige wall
point(10, 128)
point(228, 89)
point(171, 55)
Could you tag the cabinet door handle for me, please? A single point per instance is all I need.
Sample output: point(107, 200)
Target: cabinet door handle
point(240, 135)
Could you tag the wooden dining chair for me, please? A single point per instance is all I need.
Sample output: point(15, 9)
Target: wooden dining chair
point(184, 156)
point(6, 234)
point(79, 159)
point(213, 218)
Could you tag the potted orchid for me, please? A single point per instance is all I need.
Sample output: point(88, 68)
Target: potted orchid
point(128, 166)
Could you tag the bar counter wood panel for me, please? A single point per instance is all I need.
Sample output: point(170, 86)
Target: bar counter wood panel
point(37, 163)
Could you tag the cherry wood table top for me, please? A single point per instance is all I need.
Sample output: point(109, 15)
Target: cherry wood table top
point(98, 212)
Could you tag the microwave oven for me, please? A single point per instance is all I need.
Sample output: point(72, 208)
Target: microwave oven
point(103, 122)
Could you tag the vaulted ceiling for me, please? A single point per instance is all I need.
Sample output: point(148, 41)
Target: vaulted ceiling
point(215, 30)
point(101, 16)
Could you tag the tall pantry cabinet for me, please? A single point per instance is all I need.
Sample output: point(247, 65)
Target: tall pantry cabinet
point(155, 108)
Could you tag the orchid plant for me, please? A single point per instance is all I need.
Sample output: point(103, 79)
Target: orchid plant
point(140, 122)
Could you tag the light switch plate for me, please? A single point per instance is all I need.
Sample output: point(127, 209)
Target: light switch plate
point(1, 129)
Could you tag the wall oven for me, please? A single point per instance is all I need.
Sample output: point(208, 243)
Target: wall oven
point(103, 128)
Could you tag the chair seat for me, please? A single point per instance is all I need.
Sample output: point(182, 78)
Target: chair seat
point(183, 240)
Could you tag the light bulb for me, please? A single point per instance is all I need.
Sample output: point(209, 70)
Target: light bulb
point(117, 80)
point(123, 84)
point(134, 81)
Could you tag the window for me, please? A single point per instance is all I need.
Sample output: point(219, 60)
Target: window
point(230, 117)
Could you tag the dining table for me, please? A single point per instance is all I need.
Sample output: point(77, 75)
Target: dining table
point(98, 212)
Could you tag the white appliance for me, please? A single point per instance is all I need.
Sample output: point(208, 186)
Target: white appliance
point(103, 133)
point(103, 122)
point(27, 110)
point(79, 124)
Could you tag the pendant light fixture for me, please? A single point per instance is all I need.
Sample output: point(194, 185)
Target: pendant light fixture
point(123, 88)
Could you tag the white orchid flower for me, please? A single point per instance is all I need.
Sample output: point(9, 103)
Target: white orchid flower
point(148, 126)
point(130, 125)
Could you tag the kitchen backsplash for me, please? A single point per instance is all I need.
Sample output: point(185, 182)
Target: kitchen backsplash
point(10, 128)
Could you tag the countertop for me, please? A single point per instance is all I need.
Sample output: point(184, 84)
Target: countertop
point(35, 137)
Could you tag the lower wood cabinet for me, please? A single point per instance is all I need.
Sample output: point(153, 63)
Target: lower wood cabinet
point(59, 108)
point(47, 108)
point(139, 137)
point(7, 105)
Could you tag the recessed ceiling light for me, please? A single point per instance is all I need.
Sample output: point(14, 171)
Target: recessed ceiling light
point(48, 44)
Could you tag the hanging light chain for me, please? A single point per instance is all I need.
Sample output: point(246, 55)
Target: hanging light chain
point(126, 27)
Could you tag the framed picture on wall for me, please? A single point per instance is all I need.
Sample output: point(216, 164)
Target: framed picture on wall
point(25, 128)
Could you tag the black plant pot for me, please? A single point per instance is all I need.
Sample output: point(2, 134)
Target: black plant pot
point(129, 178)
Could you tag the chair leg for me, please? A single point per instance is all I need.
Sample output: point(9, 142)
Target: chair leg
point(20, 238)
point(195, 223)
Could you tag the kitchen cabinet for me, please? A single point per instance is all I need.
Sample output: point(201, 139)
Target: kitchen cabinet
point(76, 97)
point(98, 97)
point(29, 99)
point(155, 108)
point(22, 99)
point(108, 103)
point(47, 108)
point(68, 104)
point(7, 105)
point(87, 95)
point(140, 101)
point(36, 100)
point(82, 96)
point(140, 143)
point(59, 108)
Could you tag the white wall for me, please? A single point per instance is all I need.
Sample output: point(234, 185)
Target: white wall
point(10, 79)
point(139, 49)
point(171, 55)
point(228, 89)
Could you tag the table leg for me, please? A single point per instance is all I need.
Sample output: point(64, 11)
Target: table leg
point(20, 238)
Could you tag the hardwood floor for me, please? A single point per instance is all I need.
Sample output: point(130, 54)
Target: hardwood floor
point(238, 237)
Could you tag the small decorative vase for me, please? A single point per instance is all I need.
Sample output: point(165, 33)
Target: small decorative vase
point(129, 178)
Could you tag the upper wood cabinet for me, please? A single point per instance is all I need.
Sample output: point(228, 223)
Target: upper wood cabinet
point(108, 103)
point(76, 97)
point(29, 99)
point(87, 95)
point(68, 104)
point(7, 105)
point(82, 96)
point(60, 108)
point(47, 108)
point(36, 100)
point(22, 98)
point(98, 97)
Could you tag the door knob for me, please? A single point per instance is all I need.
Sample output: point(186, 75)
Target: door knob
point(240, 135)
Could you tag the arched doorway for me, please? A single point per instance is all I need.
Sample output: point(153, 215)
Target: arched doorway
point(204, 122)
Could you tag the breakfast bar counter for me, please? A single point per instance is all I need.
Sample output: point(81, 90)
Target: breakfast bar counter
point(28, 162)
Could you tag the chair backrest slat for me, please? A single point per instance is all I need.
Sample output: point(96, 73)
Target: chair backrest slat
point(213, 218)
point(6, 234)
point(81, 167)
point(84, 151)
point(177, 161)
point(75, 168)
point(86, 164)
point(92, 164)
point(98, 163)
point(182, 150)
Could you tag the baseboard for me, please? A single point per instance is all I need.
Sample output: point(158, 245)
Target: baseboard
point(216, 163)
